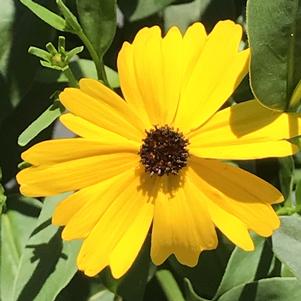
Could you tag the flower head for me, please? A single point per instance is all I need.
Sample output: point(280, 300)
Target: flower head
point(151, 158)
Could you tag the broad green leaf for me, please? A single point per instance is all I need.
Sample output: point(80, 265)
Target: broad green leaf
point(80, 68)
point(135, 10)
point(286, 272)
point(274, 30)
point(103, 296)
point(47, 263)
point(274, 289)
point(287, 243)
point(16, 225)
point(298, 197)
point(41, 123)
point(98, 20)
point(169, 285)
point(244, 267)
point(46, 15)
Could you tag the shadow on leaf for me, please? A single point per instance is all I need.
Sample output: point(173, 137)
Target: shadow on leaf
point(47, 255)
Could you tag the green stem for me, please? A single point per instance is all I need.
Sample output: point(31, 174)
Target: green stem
point(71, 78)
point(296, 98)
point(169, 286)
point(97, 61)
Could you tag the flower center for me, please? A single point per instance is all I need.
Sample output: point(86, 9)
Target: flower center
point(164, 151)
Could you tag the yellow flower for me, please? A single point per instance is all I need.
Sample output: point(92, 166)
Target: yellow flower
point(151, 159)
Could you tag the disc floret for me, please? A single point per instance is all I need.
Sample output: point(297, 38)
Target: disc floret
point(164, 151)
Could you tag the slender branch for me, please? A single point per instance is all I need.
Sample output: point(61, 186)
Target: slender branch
point(71, 78)
point(98, 62)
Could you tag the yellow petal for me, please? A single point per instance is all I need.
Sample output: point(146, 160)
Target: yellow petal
point(173, 64)
point(245, 151)
point(193, 42)
point(128, 81)
point(259, 217)
point(151, 58)
point(246, 131)
point(73, 175)
point(115, 117)
point(235, 229)
point(60, 150)
point(102, 93)
point(98, 199)
point(235, 182)
point(128, 247)
point(150, 78)
point(69, 206)
point(153, 69)
point(238, 193)
point(247, 122)
point(231, 226)
point(181, 225)
point(125, 209)
point(215, 76)
point(86, 129)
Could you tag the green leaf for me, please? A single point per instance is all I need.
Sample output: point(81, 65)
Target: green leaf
point(182, 15)
point(252, 266)
point(169, 286)
point(2, 195)
point(274, 30)
point(46, 15)
point(2, 198)
point(190, 294)
point(298, 196)
point(41, 123)
point(47, 263)
point(135, 10)
point(287, 243)
point(98, 20)
point(16, 225)
point(286, 272)
point(19, 29)
point(286, 171)
point(103, 296)
point(70, 18)
point(6, 22)
point(274, 289)
point(40, 53)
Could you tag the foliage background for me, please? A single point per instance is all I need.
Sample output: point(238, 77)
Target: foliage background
point(35, 263)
